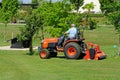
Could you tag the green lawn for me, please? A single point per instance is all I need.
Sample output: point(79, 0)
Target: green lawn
point(104, 35)
point(16, 65)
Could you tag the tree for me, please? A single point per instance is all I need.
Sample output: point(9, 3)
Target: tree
point(113, 14)
point(33, 24)
point(40, 2)
point(89, 7)
point(54, 14)
point(57, 17)
point(77, 3)
point(105, 4)
point(8, 10)
point(34, 1)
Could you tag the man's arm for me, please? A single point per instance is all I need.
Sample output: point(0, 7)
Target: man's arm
point(67, 32)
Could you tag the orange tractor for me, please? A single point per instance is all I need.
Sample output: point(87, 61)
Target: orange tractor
point(73, 48)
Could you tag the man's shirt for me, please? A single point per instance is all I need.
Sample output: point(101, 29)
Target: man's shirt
point(72, 32)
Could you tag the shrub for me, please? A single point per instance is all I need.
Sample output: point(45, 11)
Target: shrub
point(92, 24)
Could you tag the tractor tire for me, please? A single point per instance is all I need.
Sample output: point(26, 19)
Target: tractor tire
point(53, 54)
point(44, 54)
point(72, 50)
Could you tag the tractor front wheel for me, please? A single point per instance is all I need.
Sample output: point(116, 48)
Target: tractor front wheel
point(72, 50)
point(44, 54)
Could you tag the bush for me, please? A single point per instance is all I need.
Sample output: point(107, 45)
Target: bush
point(22, 15)
point(94, 15)
point(92, 24)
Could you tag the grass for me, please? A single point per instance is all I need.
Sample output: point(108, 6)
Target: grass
point(16, 65)
point(10, 31)
point(104, 35)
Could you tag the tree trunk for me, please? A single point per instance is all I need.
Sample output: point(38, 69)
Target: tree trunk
point(42, 29)
point(31, 47)
point(50, 1)
point(5, 32)
point(119, 46)
point(87, 19)
point(78, 5)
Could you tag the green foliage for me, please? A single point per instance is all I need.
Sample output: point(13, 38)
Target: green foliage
point(89, 6)
point(57, 15)
point(54, 32)
point(35, 1)
point(77, 3)
point(74, 18)
point(92, 24)
point(115, 19)
point(105, 4)
point(40, 2)
point(33, 24)
point(22, 14)
point(0, 15)
point(9, 9)
point(52, 13)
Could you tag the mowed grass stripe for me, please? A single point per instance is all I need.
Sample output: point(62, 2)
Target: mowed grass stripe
point(16, 65)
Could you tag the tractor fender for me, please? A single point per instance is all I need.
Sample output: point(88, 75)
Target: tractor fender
point(69, 41)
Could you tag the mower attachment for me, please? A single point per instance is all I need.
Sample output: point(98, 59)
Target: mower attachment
point(93, 52)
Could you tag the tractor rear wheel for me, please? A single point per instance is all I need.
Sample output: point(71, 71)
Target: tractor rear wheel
point(72, 50)
point(44, 54)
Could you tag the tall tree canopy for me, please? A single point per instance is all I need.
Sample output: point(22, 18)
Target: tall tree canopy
point(9, 9)
point(89, 6)
point(57, 15)
point(105, 4)
point(109, 6)
point(53, 15)
point(34, 1)
point(77, 3)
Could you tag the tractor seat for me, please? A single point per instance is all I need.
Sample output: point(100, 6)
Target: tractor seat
point(77, 36)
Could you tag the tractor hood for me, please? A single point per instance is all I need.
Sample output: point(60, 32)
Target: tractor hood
point(45, 42)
